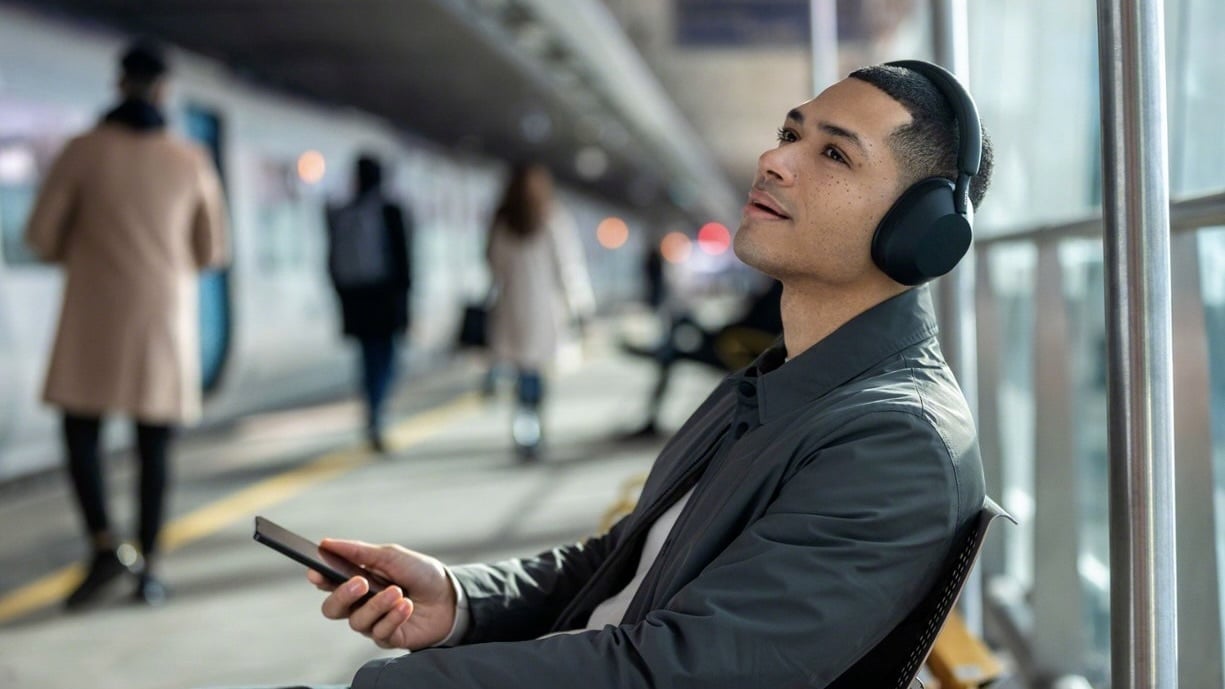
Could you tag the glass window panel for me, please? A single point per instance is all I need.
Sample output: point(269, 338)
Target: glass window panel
point(1012, 273)
point(1212, 276)
point(1033, 73)
point(1195, 65)
point(1085, 292)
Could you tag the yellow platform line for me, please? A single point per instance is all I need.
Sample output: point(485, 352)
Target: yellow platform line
point(217, 515)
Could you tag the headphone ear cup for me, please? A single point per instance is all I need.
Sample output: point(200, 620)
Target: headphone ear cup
point(922, 236)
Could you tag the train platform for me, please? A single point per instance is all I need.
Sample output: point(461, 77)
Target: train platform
point(239, 613)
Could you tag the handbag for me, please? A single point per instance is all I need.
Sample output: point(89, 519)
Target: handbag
point(474, 326)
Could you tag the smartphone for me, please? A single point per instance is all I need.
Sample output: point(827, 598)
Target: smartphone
point(333, 567)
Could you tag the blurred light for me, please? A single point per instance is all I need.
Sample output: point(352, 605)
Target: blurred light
point(612, 232)
point(311, 167)
point(675, 247)
point(714, 238)
point(591, 163)
point(17, 165)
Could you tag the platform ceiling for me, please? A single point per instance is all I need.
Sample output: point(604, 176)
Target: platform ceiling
point(434, 67)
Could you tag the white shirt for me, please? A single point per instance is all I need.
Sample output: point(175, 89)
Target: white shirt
point(611, 610)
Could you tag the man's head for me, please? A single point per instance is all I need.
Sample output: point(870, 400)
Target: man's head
point(368, 173)
point(843, 159)
point(928, 146)
point(143, 70)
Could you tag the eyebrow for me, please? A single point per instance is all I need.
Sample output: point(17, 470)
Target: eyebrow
point(831, 129)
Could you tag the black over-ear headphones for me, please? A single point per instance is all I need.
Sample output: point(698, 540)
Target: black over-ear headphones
point(927, 230)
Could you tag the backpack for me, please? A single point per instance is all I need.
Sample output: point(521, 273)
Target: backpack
point(358, 240)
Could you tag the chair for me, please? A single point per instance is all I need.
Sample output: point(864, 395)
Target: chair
point(894, 662)
point(959, 659)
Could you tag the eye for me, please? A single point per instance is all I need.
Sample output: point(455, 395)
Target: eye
point(834, 154)
point(786, 135)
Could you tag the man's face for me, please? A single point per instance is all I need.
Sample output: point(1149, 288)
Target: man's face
point(819, 195)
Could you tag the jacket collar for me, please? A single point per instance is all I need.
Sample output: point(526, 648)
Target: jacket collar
point(864, 341)
point(137, 114)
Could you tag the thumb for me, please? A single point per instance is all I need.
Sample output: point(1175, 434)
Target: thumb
point(357, 552)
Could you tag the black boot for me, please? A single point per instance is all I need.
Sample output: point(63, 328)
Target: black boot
point(105, 567)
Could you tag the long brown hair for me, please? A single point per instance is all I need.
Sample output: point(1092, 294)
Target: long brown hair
point(525, 203)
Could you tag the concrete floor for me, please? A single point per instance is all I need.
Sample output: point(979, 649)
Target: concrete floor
point(241, 614)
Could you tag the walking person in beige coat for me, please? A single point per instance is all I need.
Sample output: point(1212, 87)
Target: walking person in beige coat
point(132, 213)
point(540, 278)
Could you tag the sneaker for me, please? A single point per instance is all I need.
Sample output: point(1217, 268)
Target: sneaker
point(525, 429)
point(150, 591)
point(105, 568)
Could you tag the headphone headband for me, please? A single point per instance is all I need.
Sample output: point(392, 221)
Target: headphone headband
point(969, 131)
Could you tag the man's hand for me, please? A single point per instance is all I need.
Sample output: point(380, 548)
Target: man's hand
point(417, 613)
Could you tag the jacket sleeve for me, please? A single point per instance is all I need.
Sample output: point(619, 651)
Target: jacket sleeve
point(208, 228)
point(849, 545)
point(520, 599)
point(47, 230)
point(400, 239)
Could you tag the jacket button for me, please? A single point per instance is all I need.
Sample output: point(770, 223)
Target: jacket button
point(741, 429)
point(748, 389)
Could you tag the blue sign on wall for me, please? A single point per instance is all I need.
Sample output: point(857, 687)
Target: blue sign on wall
point(712, 23)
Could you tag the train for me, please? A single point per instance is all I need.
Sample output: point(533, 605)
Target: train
point(269, 324)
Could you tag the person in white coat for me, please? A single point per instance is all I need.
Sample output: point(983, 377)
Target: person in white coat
point(540, 279)
point(132, 213)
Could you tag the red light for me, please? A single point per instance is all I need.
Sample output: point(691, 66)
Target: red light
point(714, 238)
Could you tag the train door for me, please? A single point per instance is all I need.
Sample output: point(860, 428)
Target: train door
point(205, 127)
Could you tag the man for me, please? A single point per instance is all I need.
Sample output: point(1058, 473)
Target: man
point(802, 511)
point(370, 249)
point(133, 213)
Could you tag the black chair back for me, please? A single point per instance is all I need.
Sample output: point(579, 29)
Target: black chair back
point(895, 661)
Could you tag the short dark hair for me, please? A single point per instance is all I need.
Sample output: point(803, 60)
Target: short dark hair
point(143, 62)
point(928, 145)
point(369, 173)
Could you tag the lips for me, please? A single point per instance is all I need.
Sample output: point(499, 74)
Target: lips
point(761, 204)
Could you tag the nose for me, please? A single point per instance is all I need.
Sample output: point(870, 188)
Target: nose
point(772, 165)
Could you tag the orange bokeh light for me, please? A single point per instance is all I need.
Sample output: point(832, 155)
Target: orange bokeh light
point(612, 232)
point(714, 238)
point(311, 167)
point(675, 247)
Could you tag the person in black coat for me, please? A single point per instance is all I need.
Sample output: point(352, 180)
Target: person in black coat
point(728, 348)
point(370, 265)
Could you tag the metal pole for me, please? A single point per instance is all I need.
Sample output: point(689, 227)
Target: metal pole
point(1143, 598)
point(823, 20)
point(955, 291)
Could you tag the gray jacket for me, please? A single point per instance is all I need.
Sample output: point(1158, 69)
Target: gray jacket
point(828, 491)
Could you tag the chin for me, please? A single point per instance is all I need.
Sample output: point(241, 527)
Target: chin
point(750, 252)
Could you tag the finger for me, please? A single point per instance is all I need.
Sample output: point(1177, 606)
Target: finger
point(336, 606)
point(320, 582)
point(385, 631)
point(363, 619)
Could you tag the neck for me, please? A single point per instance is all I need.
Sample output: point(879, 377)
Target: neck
point(811, 311)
